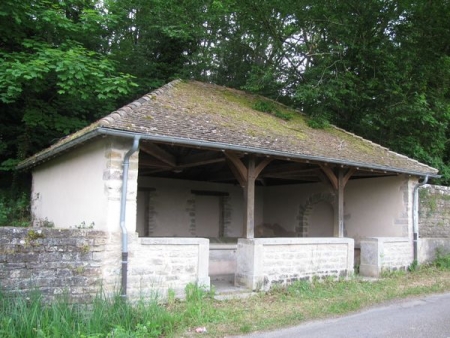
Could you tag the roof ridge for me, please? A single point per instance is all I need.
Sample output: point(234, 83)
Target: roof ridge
point(383, 147)
point(125, 110)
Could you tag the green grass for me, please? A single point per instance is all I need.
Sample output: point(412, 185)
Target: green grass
point(282, 306)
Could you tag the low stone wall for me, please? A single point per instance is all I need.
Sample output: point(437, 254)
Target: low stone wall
point(157, 264)
point(434, 222)
point(83, 263)
point(263, 262)
point(385, 254)
point(222, 260)
point(55, 261)
point(428, 248)
point(434, 212)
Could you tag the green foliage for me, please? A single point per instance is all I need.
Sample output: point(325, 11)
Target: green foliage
point(83, 225)
point(55, 76)
point(442, 260)
point(380, 69)
point(413, 266)
point(318, 122)
point(271, 108)
point(29, 317)
point(14, 211)
point(195, 293)
point(24, 315)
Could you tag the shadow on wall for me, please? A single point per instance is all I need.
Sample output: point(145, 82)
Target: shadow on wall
point(273, 230)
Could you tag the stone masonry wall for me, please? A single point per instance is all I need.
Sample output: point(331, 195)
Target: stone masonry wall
point(82, 263)
point(284, 264)
point(380, 254)
point(55, 261)
point(397, 255)
point(263, 262)
point(159, 264)
point(434, 212)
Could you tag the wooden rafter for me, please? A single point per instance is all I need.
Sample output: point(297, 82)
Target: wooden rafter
point(159, 153)
point(237, 175)
point(331, 176)
point(334, 180)
point(237, 167)
point(147, 162)
point(203, 158)
point(260, 167)
point(347, 176)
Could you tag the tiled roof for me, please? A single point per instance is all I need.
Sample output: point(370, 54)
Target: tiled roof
point(194, 111)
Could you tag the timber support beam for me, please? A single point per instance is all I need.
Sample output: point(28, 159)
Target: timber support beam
point(338, 180)
point(246, 176)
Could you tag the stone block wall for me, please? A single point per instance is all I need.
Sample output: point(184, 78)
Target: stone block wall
point(159, 264)
point(429, 247)
point(55, 261)
point(264, 262)
point(385, 254)
point(83, 263)
point(434, 212)
point(222, 259)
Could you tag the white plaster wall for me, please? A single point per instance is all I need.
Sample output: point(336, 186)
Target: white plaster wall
point(140, 216)
point(321, 220)
point(207, 215)
point(259, 205)
point(173, 210)
point(70, 189)
point(377, 207)
point(281, 203)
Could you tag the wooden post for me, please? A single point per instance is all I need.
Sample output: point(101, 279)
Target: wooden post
point(339, 229)
point(246, 177)
point(338, 184)
point(249, 199)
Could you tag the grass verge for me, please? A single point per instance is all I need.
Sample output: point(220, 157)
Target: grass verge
point(282, 306)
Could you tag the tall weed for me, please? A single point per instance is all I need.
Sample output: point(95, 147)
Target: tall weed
point(22, 316)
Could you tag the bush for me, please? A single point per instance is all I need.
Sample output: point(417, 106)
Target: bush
point(14, 210)
point(442, 260)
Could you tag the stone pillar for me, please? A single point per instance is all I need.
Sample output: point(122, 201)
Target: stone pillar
point(112, 178)
point(370, 257)
point(249, 268)
point(385, 254)
point(203, 279)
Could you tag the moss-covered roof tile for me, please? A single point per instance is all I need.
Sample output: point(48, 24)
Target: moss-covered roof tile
point(218, 115)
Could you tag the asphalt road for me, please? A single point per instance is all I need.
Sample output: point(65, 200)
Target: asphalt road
point(424, 317)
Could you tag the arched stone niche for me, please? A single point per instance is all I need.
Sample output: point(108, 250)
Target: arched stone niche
point(306, 210)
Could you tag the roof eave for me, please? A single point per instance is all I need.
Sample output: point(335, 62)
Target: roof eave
point(267, 152)
point(45, 155)
point(52, 152)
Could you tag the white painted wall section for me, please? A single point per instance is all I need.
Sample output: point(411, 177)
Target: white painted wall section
point(69, 189)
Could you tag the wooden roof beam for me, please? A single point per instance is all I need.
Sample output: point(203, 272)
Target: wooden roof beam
point(199, 159)
point(159, 153)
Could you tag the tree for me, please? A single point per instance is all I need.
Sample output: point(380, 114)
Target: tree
point(381, 70)
point(54, 76)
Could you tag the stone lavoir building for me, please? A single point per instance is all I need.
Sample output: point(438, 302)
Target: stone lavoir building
point(196, 183)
